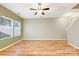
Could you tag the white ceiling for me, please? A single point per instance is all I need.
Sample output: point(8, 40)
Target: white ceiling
point(56, 9)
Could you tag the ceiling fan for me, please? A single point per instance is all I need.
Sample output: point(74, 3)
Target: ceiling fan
point(39, 9)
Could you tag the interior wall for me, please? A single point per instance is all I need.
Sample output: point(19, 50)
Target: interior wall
point(45, 28)
point(7, 13)
point(73, 34)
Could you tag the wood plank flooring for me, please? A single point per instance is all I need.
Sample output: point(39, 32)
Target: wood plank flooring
point(40, 48)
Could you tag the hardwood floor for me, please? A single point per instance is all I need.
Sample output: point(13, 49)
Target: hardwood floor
point(40, 48)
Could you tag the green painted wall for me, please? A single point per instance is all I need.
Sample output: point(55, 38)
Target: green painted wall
point(76, 6)
point(5, 12)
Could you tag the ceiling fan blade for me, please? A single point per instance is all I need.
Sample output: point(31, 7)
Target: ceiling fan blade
point(45, 9)
point(35, 13)
point(32, 9)
point(42, 13)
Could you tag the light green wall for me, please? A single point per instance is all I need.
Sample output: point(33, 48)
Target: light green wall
point(76, 6)
point(5, 12)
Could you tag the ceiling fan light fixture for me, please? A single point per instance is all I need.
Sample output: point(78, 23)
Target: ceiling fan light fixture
point(39, 11)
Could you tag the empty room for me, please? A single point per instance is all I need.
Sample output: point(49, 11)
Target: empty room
point(39, 29)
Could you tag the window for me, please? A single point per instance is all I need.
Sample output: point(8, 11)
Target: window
point(17, 28)
point(6, 27)
point(9, 28)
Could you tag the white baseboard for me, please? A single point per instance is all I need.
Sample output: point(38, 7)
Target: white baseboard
point(73, 45)
point(44, 39)
point(10, 45)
